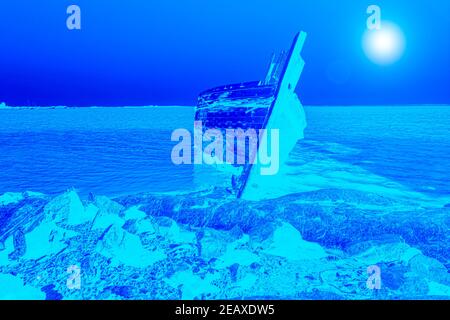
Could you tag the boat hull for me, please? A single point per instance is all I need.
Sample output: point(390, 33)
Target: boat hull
point(268, 108)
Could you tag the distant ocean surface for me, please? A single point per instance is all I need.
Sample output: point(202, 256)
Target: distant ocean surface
point(126, 150)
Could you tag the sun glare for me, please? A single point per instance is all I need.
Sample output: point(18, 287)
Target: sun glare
point(384, 46)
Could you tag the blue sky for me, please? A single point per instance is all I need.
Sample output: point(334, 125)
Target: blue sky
point(143, 52)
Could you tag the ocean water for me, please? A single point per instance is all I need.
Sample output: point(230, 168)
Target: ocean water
point(94, 190)
point(119, 151)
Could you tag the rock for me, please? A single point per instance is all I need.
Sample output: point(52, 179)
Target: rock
point(430, 268)
point(107, 206)
point(287, 242)
point(438, 289)
point(20, 245)
point(170, 230)
point(107, 212)
point(67, 209)
point(193, 286)
point(413, 286)
point(102, 221)
point(134, 213)
point(126, 248)
point(13, 288)
point(393, 275)
point(228, 248)
point(213, 243)
point(126, 292)
point(8, 248)
point(10, 198)
point(399, 252)
point(146, 225)
point(24, 215)
point(46, 239)
point(51, 293)
point(31, 194)
point(237, 252)
point(329, 217)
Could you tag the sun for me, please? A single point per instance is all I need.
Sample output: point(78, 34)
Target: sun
point(384, 46)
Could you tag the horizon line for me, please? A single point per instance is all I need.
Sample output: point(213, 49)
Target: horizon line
point(5, 106)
